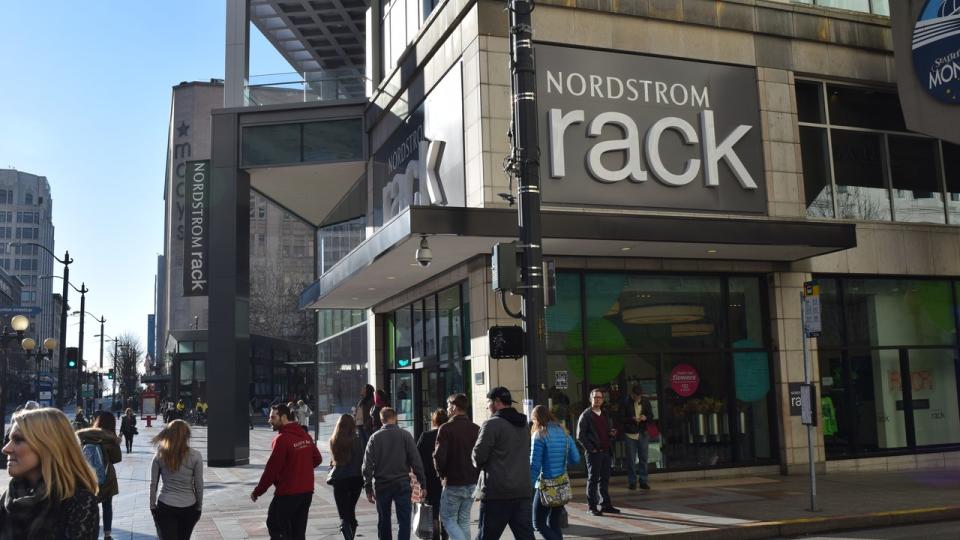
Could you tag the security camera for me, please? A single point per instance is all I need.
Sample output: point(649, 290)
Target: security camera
point(424, 254)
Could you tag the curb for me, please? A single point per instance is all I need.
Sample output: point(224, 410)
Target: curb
point(805, 526)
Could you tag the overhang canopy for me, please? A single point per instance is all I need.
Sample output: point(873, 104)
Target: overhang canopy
point(310, 191)
point(384, 265)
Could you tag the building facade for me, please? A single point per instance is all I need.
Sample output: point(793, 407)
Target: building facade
point(700, 161)
point(26, 210)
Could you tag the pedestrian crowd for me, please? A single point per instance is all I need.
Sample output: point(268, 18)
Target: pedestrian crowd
point(63, 477)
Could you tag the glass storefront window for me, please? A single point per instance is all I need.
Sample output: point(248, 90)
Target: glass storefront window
point(565, 394)
point(745, 313)
point(403, 327)
point(831, 314)
point(858, 164)
point(933, 384)
point(897, 312)
point(880, 422)
point(563, 318)
point(818, 190)
point(951, 171)
point(451, 325)
point(694, 417)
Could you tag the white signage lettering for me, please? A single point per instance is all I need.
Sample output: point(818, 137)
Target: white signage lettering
point(418, 183)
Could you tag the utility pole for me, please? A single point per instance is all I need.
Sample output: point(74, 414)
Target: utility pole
point(83, 315)
point(525, 164)
point(62, 371)
point(113, 397)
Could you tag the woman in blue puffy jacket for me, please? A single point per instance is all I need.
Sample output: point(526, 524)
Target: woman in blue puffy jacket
point(551, 449)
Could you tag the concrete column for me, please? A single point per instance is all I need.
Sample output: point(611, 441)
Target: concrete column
point(787, 334)
point(228, 362)
point(237, 47)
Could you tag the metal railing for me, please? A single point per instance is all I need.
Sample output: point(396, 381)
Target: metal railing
point(283, 88)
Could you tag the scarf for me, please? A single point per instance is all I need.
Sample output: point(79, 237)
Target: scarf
point(24, 512)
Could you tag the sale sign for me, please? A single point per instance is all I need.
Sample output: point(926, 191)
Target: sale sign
point(684, 380)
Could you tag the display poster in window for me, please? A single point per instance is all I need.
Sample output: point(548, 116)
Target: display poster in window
point(560, 379)
point(751, 371)
point(684, 380)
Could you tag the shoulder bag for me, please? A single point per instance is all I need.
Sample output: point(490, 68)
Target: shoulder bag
point(555, 492)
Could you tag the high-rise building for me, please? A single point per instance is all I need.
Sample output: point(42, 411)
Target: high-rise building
point(26, 210)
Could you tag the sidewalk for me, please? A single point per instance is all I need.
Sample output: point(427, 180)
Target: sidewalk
point(746, 507)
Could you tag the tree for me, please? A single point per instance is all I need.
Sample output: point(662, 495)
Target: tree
point(125, 362)
point(274, 295)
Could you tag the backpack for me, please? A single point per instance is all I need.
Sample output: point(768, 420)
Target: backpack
point(94, 456)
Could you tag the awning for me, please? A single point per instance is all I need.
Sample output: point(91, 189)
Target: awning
point(384, 265)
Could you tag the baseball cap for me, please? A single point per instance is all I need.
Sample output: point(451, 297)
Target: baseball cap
point(500, 394)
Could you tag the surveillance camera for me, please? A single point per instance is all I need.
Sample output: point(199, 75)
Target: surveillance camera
point(424, 254)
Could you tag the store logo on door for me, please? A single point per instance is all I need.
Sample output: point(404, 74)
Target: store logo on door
point(684, 380)
point(936, 49)
point(630, 130)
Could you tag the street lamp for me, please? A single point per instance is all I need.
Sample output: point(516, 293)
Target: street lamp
point(65, 261)
point(19, 323)
point(28, 345)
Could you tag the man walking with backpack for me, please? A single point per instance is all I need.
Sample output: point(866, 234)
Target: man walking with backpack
point(502, 453)
point(390, 456)
point(290, 470)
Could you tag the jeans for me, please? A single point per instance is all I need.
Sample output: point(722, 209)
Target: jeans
point(639, 447)
point(287, 516)
point(455, 505)
point(598, 479)
point(128, 438)
point(497, 514)
point(175, 523)
point(107, 504)
point(346, 492)
point(398, 494)
point(546, 519)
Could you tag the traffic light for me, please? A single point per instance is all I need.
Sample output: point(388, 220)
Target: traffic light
point(110, 374)
point(73, 357)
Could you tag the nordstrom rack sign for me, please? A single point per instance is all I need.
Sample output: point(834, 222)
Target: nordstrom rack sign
point(628, 130)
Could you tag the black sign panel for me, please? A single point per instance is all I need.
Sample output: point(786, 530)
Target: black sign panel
point(196, 226)
point(506, 342)
point(795, 398)
point(629, 130)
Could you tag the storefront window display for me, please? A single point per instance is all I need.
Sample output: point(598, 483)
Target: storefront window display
point(879, 330)
point(426, 356)
point(697, 347)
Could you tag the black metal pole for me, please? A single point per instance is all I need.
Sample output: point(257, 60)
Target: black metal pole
point(100, 375)
point(3, 384)
point(113, 398)
point(83, 309)
point(38, 357)
point(526, 154)
point(63, 331)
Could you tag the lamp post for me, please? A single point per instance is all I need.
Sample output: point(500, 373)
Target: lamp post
point(65, 261)
point(83, 290)
point(28, 345)
point(19, 324)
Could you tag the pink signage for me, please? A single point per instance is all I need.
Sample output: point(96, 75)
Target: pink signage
point(684, 380)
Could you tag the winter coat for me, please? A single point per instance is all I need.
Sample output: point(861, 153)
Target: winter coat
point(502, 453)
point(551, 453)
point(426, 445)
point(110, 445)
point(587, 433)
point(128, 425)
point(24, 515)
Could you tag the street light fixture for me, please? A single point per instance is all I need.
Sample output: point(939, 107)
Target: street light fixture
point(83, 290)
point(28, 345)
point(65, 261)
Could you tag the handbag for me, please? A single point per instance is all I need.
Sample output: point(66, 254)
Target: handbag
point(331, 475)
point(555, 492)
point(423, 521)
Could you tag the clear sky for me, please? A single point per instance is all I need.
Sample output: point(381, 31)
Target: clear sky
point(85, 92)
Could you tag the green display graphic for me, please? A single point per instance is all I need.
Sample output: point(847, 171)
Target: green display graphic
point(751, 372)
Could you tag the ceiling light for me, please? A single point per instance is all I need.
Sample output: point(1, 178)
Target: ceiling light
point(662, 313)
point(391, 277)
point(711, 251)
point(691, 329)
point(625, 249)
point(371, 288)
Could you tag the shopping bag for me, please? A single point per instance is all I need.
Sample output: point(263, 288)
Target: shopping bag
point(423, 521)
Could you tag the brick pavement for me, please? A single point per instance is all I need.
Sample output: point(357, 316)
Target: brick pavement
point(702, 506)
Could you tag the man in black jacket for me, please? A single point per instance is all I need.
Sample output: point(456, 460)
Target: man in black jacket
point(595, 432)
point(637, 413)
point(502, 454)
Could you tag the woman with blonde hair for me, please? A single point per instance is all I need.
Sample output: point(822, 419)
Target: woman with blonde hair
point(551, 449)
point(177, 509)
point(346, 445)
point(52, 492)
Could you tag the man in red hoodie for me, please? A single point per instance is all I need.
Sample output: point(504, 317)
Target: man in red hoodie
point(290, 470)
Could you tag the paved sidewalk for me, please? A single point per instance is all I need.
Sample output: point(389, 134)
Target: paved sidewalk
point(745, 507)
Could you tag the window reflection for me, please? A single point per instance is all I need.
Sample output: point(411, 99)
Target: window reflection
point(858, 165)
point(917, 193)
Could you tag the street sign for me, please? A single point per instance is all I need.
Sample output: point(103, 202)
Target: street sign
point(808, 409)
point(811, 309)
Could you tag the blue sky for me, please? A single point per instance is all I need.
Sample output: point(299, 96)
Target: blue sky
point(85, 101)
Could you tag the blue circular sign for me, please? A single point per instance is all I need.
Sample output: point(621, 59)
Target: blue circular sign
point(936, 49)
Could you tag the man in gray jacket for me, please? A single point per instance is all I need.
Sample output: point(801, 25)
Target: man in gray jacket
point(390, 456)
point(502, 453)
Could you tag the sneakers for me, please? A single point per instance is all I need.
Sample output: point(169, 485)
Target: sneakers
point(594, 512)
point(610, 510)
point(644, 485)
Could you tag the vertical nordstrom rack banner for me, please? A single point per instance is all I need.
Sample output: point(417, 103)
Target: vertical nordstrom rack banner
point(196, 227)
point(629, 130)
